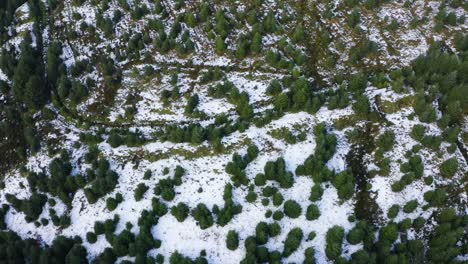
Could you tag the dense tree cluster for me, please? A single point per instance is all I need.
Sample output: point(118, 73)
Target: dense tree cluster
point(334, 240)
point(103, 180)
point(7, 9)
point(31, 207)
point(225, 214)
point(338, 99)
point(236, 167)
point(344, 183)
point(63, 250)
point(196, 134)
point(128, 138)
point(439, 76)
point(256, 252)
point(126, 243)
point(203, 216)
point(226, 89)
point(177, 258)
point(276, 171)
point(29, 85)
point(61, 182)
point(165, 187)
point(413, 170)
point(436, 198)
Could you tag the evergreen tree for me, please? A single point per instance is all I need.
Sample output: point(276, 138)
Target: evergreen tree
point(203, 216)
point(292, 209)
point(299, 34)
point(269, 23)
point(313, 212)
point(256, 45)
point(334, 240)
point(293, 241)
point(449, 168)
point(180, 212)
point(232, 240)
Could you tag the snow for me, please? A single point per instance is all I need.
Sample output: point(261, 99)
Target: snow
point(3, 77)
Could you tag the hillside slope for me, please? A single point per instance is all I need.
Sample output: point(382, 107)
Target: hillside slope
point(143, 131)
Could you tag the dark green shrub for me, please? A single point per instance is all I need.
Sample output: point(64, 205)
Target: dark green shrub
point(180, 212)
point(159, 208)
point(404, 225)
point(278, 215)
point(277, 199)
point(261, 233)
point(334, 240)
point(91, 237)
point(274, 229)
point(232, 240)
point(418, 132)
point(449, 168)
point(418, 223)
point(269, 191)
point(292, 209)
point(316, 193)
point(344, 183)
point(311, 236)
point(140, 191)
point(112, 203)
point(410, 206)
point(147, 175)
point(388, 233)
point(313, 212)
point(251, 197)
point(309, 254)
point(393, 211)
point(99, 228)
point(260, 179)
point(355, 236)
point(386, 140)
point(293, 241)
point(203, 216)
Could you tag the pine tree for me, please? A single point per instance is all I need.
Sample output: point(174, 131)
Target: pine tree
point(299, 34)
point(269, 23)
point(334, 239)
point(242, 47)
point(256, 45)
point(180, 212)
point(232, 240)
point(293, 241)
point(190, 19)
point(292, 209)
point(205, 12)
point(281, 102)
